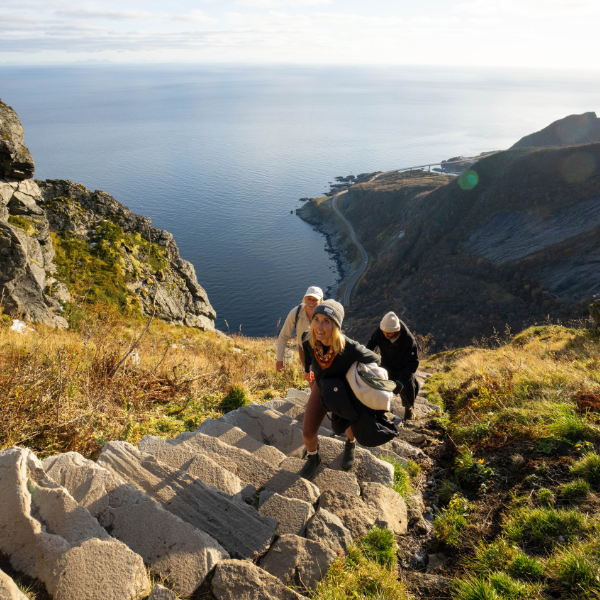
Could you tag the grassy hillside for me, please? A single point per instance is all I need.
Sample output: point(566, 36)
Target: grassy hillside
point(511, 241)
point(520, 474)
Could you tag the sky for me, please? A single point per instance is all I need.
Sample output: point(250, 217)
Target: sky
point(503, 33)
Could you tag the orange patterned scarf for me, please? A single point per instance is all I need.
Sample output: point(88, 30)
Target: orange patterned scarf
point(324, 359)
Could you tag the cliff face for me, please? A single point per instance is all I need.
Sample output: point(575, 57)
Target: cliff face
point(510, 241)
point(572, 130)
point(57, 239)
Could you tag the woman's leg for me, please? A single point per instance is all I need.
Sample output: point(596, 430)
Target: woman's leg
point(313, 417)
point(349, 434)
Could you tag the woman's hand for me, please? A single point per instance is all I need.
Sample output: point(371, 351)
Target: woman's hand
point(308, 377)
point(279, 366)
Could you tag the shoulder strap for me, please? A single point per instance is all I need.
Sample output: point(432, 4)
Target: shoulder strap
point(297, 315)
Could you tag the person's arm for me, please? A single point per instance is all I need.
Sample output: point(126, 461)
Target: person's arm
point(285, 335)
point(308, 357)
point(364, 355)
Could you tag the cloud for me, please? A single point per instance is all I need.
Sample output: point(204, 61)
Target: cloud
point(538, 9)
point(269, 4)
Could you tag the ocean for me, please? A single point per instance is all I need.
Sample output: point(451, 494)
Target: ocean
point(220, 155)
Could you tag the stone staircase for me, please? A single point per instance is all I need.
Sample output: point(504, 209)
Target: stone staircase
point(226, 495)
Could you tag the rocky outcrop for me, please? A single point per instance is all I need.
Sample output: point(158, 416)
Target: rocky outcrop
point(15, 160)
point(9, 589)
point(72, 210)
point(570, 131)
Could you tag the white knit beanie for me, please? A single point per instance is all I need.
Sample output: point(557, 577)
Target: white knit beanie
point(390, 323)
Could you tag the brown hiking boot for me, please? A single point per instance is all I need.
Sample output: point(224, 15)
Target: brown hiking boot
point(311, 465)
point(349, 455)
point(408, 413)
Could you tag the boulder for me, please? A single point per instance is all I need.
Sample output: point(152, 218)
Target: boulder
point(50, 537)
point(236, 526)
point(198, 465)
point(291, 514)
point(351, 510)
point(9, 589)
point(15, 159)
point(234, 436)
point(366, 468)
point(389, 505)
point(162, 593)
point(241, 580)
point(326, 479)
point(326, 528)
point(298, 562)
point(174, 550)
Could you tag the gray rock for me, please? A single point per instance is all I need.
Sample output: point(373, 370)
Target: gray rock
point(174, 550)
point(291, 514)
point(198, 465)
point(389, 505)
point(296, 561)
point(9, 589)
point(236, 526)
point(15, 159)
point(268, 427)
point(48, 536)
point(351, 510)
point(400, 448)
point(429, 582)
point(234, 436)
point(366, 468)
point(436, 562)
point(328, 529)
point(22, 204)
point(326, 479)
point(162, 593)
point(241, 580)
point(287, 407)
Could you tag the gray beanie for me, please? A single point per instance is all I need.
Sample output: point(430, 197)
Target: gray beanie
point(332, 309)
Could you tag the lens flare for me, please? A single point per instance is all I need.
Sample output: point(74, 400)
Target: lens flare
point(468, 179)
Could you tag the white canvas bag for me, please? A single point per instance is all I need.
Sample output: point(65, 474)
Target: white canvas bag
point(369, 396)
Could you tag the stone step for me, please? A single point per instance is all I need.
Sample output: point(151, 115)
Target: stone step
point(198, 465)
point(236, 526)
point(291, 514)
point(234, 436)
point(50, 537)
point(174, 550)
point(326, 479)
point(246, 466)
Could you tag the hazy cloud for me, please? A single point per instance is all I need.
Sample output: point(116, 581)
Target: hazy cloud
point(268, 4)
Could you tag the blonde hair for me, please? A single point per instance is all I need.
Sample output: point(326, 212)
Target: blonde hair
point(338, 340)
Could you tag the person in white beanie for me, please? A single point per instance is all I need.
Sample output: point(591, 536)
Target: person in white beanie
point(399, 357)
point(299, 319)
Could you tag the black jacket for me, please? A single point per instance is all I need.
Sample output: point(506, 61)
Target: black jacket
point(353, 352)
point(401, 358)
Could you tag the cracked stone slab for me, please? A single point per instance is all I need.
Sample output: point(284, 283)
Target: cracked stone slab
point(198, 465)
point(366, 468)
point(72, 560)
point(326, 479)
point(236, 526)
point(234, 436)
point(174, 550)
point(296, 561)
point(291, 514)
point(389, 505)
point(326, 528)
point(356, 516)
point(242, 580)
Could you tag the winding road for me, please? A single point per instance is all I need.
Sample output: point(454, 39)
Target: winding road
point(364, 258)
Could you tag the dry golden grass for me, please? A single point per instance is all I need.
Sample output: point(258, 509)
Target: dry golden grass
point(58, 394)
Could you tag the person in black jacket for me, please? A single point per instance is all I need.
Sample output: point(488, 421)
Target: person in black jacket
point(330, 354)
point(399, 357)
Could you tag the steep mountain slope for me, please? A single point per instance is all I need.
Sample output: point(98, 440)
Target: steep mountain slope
point(510, 241)
point(574, 129)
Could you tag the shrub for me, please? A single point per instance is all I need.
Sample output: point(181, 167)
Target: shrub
point(471, 471)
point(236, 396)
point(379, 545)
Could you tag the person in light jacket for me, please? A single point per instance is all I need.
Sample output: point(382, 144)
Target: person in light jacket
point(399, 357)
point(330, 354)
point(299, 319)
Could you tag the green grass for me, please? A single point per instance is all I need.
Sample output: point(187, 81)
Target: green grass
point(379, 545)
point(236, 396)
point(449, 524)
point(402, 473)
point(578, 570)
point(576, 489)
point(588, 468)
point(495, 586)
point(545, 525)
point(545, 496)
